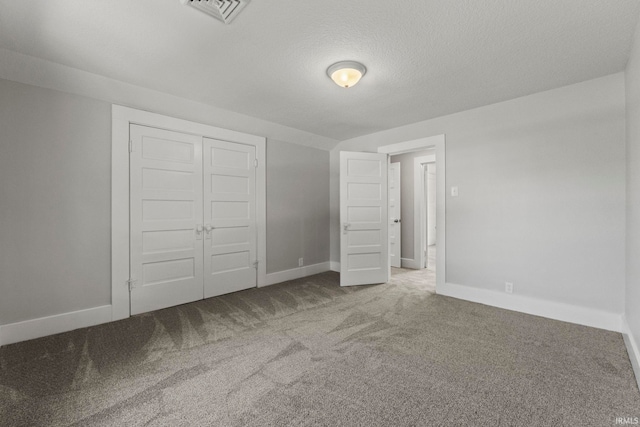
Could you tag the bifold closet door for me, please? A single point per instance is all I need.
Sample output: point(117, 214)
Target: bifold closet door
point(166, 216)
point(230, 245)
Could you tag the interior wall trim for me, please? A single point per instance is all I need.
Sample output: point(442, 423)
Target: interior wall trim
point(550, 309)
point(632, 348)
point(50, 325)
point(297, 273)
point(410, 263)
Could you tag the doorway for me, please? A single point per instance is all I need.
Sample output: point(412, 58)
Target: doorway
point(428, 174)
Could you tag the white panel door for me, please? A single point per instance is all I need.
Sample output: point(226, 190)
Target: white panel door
point(430, 185)
point(364, 236)
point(230, 217)
point(395, 225)
point(166, 209)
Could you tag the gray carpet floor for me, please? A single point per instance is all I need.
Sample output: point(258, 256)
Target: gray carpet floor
point(308, 352)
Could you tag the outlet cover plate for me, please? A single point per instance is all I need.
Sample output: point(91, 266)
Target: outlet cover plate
point(508, 287)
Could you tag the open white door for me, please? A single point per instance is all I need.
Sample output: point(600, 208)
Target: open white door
point(395, 225)
point(166, 218)
point(364, 237)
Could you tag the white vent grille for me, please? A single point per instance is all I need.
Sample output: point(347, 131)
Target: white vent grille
point(223, 10)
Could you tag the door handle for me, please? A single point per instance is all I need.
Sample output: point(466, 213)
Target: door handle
point(396, 221)
point(345, 227)
point(199, 230)
point(208, 228)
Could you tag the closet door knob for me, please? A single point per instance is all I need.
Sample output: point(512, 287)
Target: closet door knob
point(345, 227)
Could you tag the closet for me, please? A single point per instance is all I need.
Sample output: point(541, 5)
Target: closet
point(192, 217)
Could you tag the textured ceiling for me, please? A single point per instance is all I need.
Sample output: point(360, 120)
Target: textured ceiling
point(425, 58)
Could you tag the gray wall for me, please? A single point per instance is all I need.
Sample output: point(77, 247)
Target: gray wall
point(297, 205)
point(55, 213)
point(55, 202)
point(633, 190)
point(406, 199)
point(542, 193)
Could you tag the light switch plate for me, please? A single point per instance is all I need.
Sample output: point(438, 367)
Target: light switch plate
point(454, 191)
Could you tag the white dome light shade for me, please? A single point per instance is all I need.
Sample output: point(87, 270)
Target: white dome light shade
point(346, 73)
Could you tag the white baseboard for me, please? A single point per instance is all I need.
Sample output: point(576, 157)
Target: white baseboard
point(549, 309)
point(410, 263)
point(297, 273)
point(632, 348)
point(404, 262)
point(50, 325)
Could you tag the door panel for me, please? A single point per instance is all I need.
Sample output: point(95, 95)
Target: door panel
point(431, 203)
point(395, 226)
point(364, 243)
point(230, 217)
point(166, 205)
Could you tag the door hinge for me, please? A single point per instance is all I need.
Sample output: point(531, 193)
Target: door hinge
point(255, 162)
point(131, 283)
point(130, 146)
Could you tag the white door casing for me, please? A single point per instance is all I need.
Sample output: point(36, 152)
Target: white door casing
point(395, 225)
point(165, 218)
point(439, 143)
point(122, 119)
point(230, 245)
point(364, 236)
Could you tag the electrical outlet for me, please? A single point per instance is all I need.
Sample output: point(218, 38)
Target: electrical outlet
point(300, 262)
point(508, 287)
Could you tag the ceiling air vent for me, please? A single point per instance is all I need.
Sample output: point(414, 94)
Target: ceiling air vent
point(223, 10)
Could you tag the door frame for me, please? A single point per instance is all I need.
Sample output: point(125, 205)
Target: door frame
point(121, 119)
point(438, 143)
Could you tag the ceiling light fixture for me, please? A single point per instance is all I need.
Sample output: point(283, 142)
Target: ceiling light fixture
point(346, 73)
